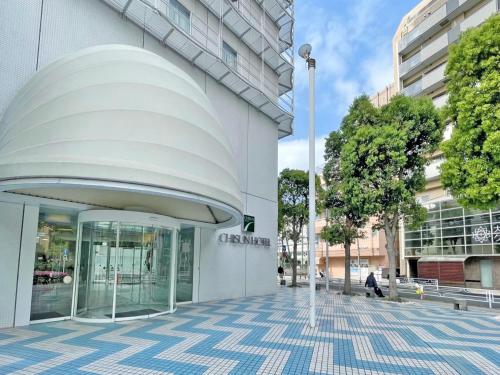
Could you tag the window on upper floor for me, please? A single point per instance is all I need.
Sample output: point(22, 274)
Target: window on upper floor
point(229, 56)
point(179, 14)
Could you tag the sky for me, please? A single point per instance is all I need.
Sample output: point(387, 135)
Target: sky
point(352, 44)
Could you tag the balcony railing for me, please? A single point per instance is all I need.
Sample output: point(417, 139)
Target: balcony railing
point(432, 19)
point(414, 89)
point(434, 78)
point(479, 17)
point(439, 47)
point(407, 67)
point(241, 19)
point(203, 48)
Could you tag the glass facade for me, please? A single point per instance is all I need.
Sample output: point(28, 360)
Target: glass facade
point(121, 269)
point(54, 263)
point(453, 230)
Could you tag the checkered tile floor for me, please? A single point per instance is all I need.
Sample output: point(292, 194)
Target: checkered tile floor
point(266, 335)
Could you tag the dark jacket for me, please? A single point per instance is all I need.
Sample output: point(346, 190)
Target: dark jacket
point(371, 282)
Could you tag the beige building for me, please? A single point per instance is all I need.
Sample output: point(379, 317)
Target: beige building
point(369, 252)
point(383, 96)
point(455, 245)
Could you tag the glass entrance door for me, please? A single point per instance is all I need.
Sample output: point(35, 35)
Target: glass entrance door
point(124, 271)
point(96, 277)
point(143, 266)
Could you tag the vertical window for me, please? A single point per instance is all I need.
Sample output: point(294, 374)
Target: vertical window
point(185, 259)
point(229, 56)
point(54, 264)
point(180, 15)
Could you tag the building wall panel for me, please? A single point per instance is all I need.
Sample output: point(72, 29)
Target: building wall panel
point(19, 30)
point(11, 217)
point(70, 25)
point(260, 261)
point(262, 156)
point(26, 263)
point(222, 267)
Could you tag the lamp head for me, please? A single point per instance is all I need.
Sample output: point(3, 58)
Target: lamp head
point(305, 51)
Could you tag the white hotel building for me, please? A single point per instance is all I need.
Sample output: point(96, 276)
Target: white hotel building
point(134, 137)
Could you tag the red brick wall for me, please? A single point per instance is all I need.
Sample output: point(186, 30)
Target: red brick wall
point(428, 270)
point(445, 272)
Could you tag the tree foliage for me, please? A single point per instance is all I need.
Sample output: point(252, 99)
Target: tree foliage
point(386, 162)
point(346, 215)
point(472, 167)
point(293, 208)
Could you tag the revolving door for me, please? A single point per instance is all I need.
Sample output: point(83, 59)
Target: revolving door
point(126, 266)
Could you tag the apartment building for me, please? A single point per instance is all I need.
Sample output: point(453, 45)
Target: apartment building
point(136, 137)
point(455, 245)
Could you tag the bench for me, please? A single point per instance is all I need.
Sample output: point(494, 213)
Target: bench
point(460, 304)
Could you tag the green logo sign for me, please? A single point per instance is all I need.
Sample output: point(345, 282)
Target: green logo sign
point(248, 223)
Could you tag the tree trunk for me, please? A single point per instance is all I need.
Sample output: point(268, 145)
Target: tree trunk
point(390, 236)
point(347, 269)
point(294, 264)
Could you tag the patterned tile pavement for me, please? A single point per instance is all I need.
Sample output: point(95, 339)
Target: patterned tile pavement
point(266, 335)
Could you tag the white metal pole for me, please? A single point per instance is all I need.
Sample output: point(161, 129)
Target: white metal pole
point(327, 273)
point(311, 64)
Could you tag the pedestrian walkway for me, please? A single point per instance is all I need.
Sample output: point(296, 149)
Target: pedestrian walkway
point(266, 335)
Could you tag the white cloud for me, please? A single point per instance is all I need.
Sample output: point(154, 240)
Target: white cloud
point(378, 72)
point(337, 40)
point(295, 154)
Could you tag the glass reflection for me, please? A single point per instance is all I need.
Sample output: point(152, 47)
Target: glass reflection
point(54, 264)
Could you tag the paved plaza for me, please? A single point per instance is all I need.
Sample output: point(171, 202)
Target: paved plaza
point(266, 335)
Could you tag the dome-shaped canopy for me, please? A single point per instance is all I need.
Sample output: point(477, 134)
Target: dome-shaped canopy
point(120, 127)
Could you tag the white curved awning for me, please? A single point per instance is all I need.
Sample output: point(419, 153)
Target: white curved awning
point(120, 127)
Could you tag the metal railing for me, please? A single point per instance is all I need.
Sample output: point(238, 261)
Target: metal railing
point(202, 46)
point(431, 287)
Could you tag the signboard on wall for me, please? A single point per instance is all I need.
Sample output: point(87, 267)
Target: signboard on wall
point(244, 239)
point(248, 223)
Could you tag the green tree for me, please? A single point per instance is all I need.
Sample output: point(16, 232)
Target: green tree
point(386, 165)
point(293, 208)
point(346, 216)
point(472, 167)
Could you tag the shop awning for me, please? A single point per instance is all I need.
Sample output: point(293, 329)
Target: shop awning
point(443, 259)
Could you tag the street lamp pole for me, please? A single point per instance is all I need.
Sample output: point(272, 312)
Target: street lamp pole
point(305, 53)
